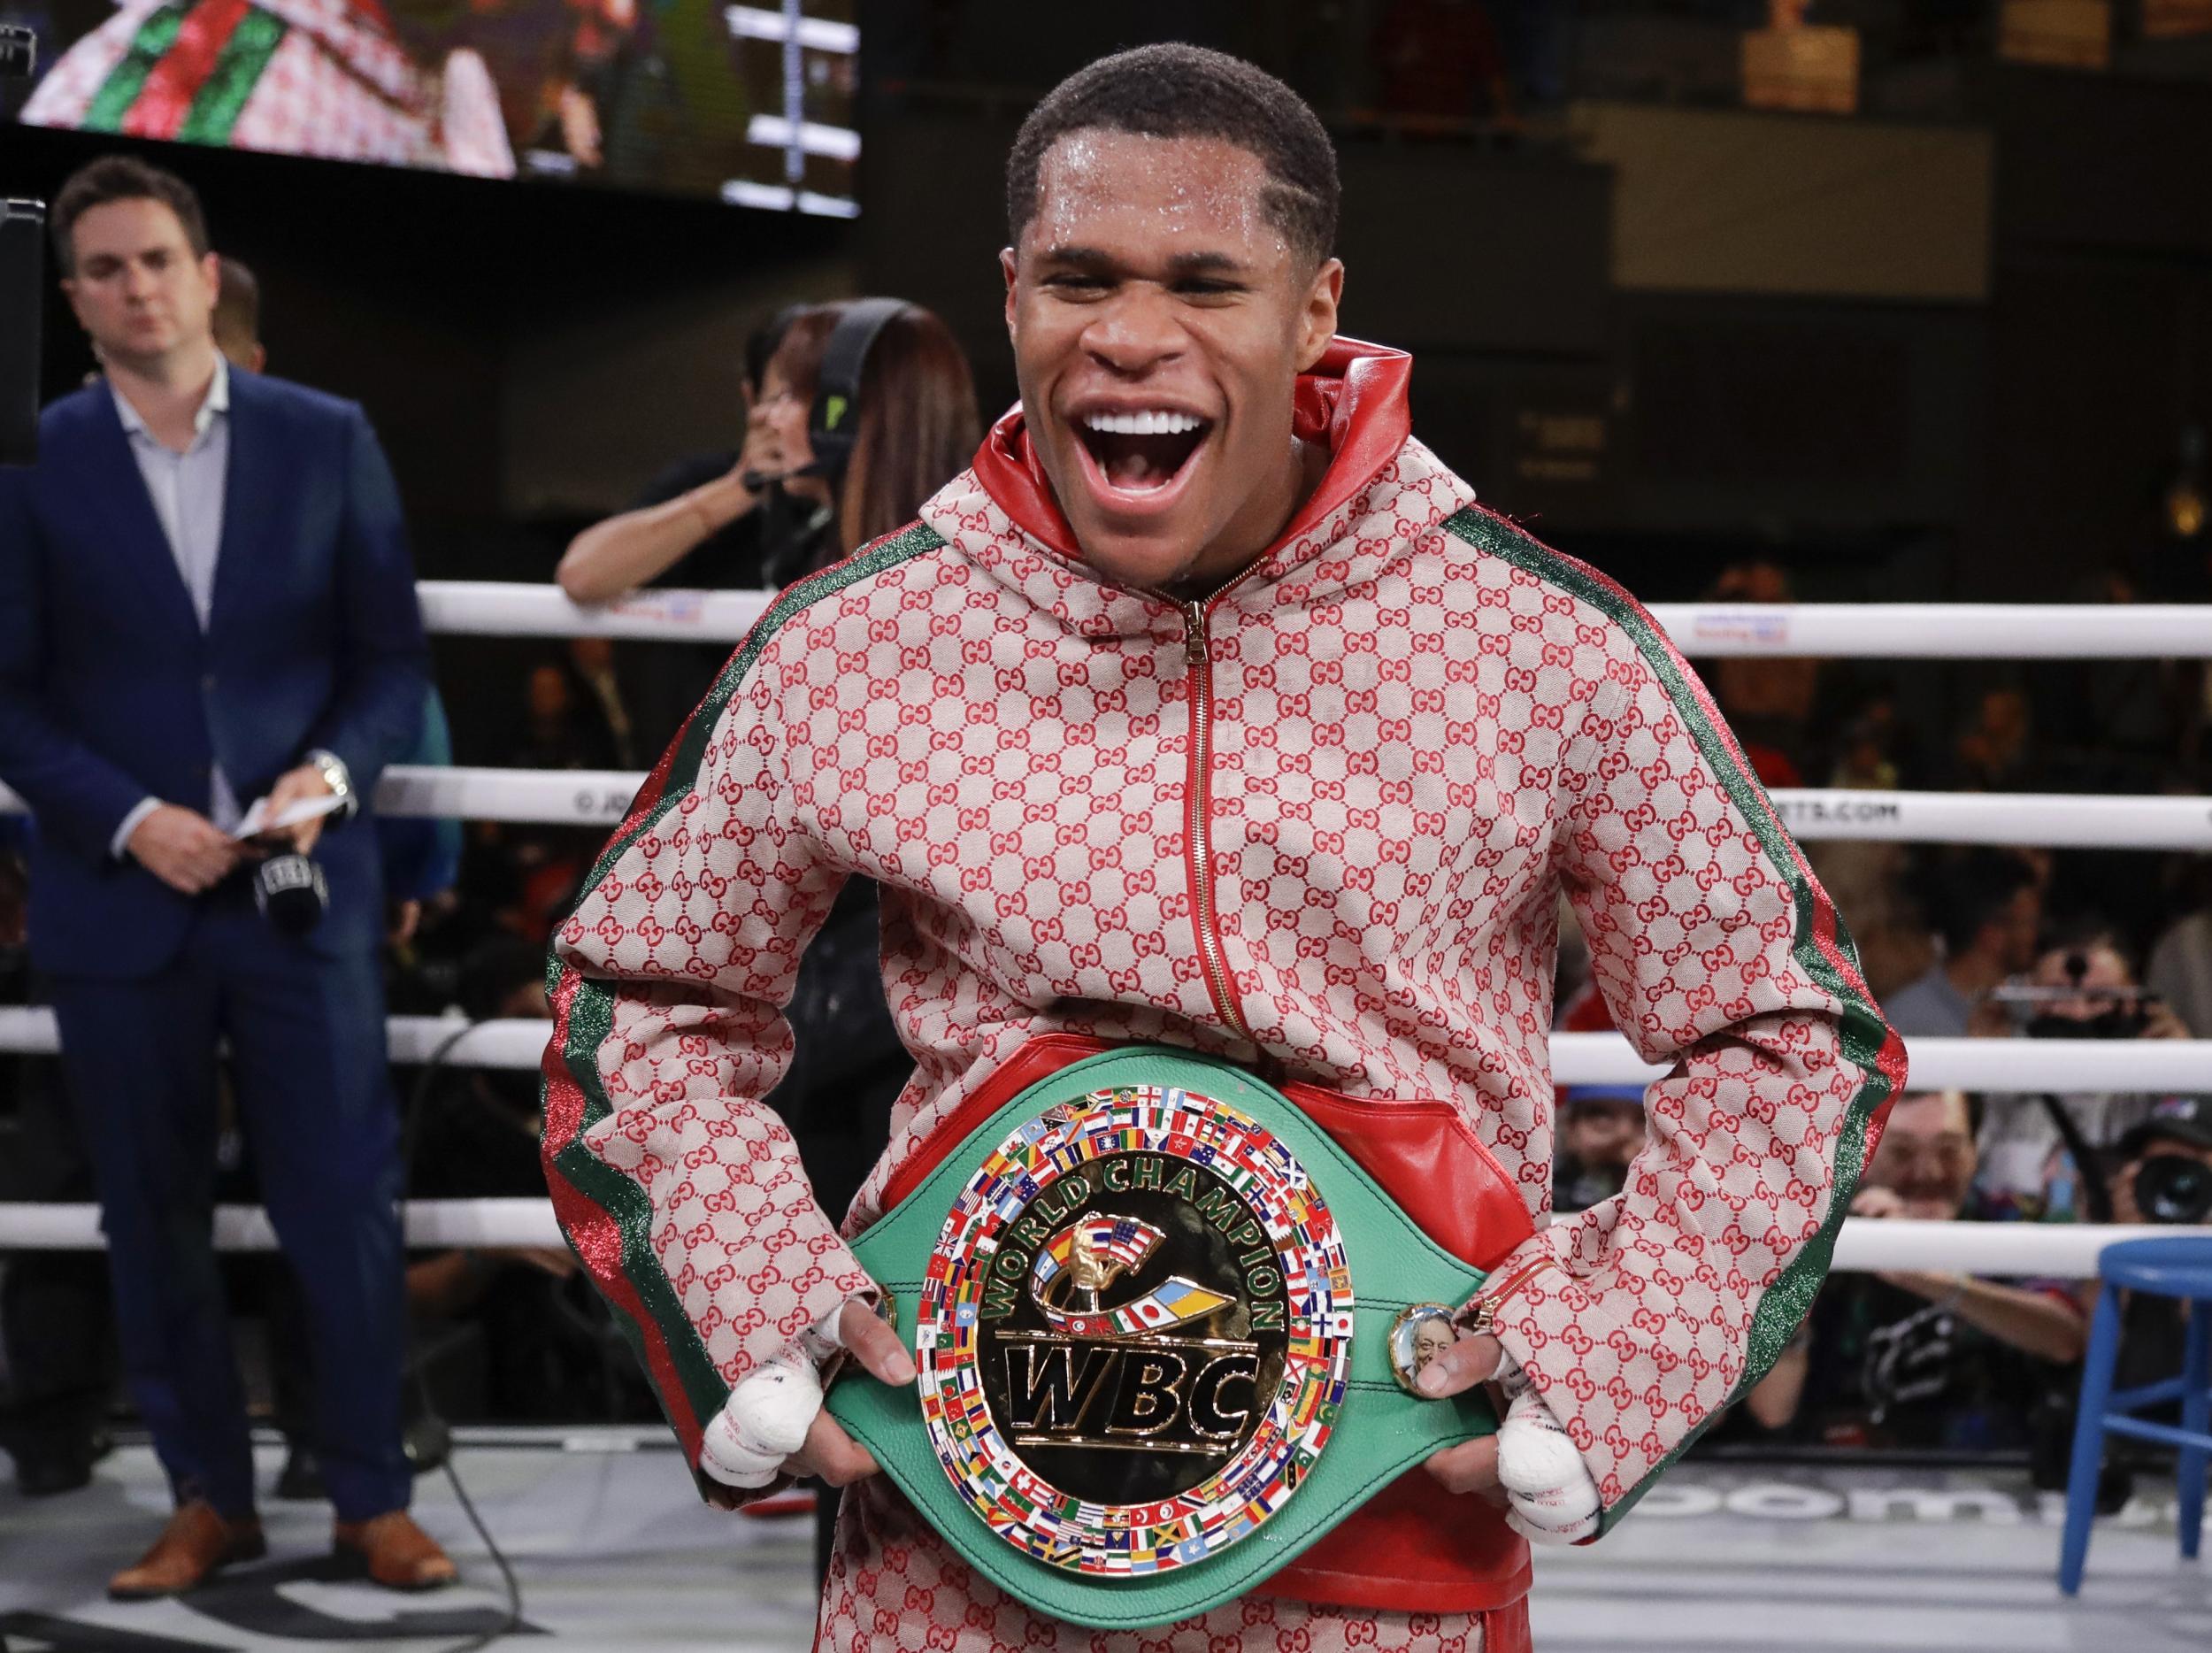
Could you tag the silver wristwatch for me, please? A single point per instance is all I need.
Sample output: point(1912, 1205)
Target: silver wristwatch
point(339, 779)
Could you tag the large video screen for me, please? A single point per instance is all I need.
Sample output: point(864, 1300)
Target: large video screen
point(751, 102)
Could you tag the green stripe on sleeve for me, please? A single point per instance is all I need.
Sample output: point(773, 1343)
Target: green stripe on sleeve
point(228, 85)
point(591, 1012)
point(1862, 1032)
point(127, 79)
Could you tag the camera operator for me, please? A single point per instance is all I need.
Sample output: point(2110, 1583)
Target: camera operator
point(2082, 985)
point(205, 594)
point(771, 512)
point(698, 523)
point(2159, 1172)
point(2161, 1169)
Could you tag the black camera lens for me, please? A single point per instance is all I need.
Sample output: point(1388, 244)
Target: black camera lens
point(2174, 1188)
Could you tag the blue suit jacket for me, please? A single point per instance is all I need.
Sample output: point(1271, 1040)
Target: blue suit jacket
point(109, 690)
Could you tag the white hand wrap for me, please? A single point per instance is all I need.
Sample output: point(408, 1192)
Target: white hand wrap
point(1550, 1494)
point(767, 1416)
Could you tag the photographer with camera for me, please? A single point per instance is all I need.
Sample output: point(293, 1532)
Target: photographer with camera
point(2161, 1169)
point(2159, 1172)
point(2039, 1152)
point(704, 516)
point(854, 412)
point(895, 404)
point(205, 595)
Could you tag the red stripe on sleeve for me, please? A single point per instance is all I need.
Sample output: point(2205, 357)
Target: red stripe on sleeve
point(597, 1237)
point(175, 80)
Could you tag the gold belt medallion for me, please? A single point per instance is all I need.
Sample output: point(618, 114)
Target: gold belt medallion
point(1135, 1331)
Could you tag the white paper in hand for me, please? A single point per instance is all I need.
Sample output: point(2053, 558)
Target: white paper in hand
point(259, 820)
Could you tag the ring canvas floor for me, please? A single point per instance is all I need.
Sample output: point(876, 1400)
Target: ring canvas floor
point(614, 1552)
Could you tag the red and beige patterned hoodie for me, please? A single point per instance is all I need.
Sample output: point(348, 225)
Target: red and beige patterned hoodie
point(1318, 823)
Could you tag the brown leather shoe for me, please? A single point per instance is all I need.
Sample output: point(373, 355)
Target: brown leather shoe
point(394, 1552)
point(195, 1546)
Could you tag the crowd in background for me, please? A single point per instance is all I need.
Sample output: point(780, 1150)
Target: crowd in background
point(2120, 945)
point(1974, 943)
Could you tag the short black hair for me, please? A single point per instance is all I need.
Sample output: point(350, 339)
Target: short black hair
point(763, 342)
point(1179, 91)
point(492, 970)
point(123, 178)
point(1974, 892)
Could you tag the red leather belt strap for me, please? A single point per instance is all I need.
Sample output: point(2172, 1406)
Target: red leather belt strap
point(1413, 1547)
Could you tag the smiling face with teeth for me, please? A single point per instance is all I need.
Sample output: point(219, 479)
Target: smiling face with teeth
point(1160, 321)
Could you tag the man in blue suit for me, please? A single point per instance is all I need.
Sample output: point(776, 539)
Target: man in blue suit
point(205, 596)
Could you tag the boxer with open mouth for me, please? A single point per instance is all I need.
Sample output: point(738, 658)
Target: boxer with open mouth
point(1222, 763)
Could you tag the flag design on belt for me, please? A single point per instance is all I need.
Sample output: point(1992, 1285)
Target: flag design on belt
point(1094, 1251)
point(1299, 1415)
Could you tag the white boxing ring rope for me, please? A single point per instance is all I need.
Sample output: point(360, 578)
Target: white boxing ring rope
point(1862, 631)
point(1865, 631)
point(2046, 820)
point(601, 797)
point(2015, 1250)
point(1992, 1067)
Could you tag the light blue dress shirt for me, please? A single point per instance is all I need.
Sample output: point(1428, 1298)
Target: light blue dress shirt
point(187, 491)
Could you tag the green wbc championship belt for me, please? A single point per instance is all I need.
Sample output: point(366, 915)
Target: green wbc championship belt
point(1166, 1331)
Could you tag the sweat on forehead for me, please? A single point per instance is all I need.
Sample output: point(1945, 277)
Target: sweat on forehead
point(1209, 179)
point(1202, 193)
point(1175, 94)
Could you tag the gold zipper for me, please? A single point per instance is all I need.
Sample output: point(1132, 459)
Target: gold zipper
point(1197, 809)
point(1485, 1317)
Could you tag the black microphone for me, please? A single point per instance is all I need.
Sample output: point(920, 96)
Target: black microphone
point(291, 892)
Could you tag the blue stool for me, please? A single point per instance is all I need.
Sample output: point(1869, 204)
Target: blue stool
point(2180, 1267)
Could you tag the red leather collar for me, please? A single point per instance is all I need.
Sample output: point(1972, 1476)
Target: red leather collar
point(1355, 399)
